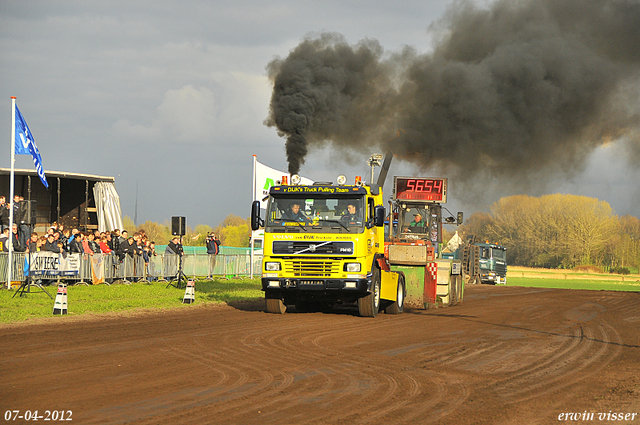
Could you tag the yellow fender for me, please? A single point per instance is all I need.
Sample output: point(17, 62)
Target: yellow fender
point(389, 285)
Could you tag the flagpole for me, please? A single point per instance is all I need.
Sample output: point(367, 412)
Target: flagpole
point(11, 178)
point(253, 195)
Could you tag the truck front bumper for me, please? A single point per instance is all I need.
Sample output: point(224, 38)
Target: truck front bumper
point(326, 285)
point(492, 277)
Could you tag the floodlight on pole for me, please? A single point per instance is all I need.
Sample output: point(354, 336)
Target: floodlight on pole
point(374, 161)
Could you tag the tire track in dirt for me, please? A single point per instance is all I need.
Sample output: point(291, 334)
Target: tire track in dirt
point(250, 346)
point(534, 367)
point(265, 391)
point(363, 385)
point(390, 403)
point(627, 306)
point(495, 359)
point(596, 347)
point(351, 379)
point(234, 382)
point(543, 363)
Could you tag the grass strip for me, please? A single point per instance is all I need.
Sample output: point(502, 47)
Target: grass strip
point(589, 284)
point(99, 299)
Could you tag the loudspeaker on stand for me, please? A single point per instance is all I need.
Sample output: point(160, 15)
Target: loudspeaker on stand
point(178, 226)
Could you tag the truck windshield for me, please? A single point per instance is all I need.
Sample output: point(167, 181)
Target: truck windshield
point(316, 215)
point(499, 254)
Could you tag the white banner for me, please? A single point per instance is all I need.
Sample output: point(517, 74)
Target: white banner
point(45, 263)
point(267, 177)
point(97, 269)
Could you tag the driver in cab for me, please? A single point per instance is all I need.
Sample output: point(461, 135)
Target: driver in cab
point(351, 214)
point(417, 225)
point(293, 213)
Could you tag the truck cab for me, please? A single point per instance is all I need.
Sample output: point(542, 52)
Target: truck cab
point(324, 244)
point(493, 263)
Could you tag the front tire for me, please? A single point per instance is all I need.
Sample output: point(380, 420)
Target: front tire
point(369, 305)
point(397, 306)
point(275, 303)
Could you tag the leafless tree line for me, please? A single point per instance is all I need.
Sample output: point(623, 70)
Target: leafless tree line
point(559, 231)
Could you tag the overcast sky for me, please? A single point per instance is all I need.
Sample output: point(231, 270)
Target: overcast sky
point(169, 97)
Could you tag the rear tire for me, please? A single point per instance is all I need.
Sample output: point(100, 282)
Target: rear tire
point(275, 303)
point(369, 305)
point(397, 306)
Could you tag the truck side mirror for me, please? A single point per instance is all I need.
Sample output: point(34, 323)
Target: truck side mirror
point(256, 221)
point(378, 216)
point(459, 218)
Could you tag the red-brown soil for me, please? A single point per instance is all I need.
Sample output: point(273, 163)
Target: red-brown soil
point(506, 355)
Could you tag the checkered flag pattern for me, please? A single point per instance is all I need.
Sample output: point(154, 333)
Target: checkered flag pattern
point(433, 270)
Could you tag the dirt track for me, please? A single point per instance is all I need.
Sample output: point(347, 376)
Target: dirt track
point(506, 355)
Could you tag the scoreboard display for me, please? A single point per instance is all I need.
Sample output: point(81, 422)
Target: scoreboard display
point(420, 189)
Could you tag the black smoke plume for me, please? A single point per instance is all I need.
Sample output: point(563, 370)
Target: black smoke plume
point(520, 87)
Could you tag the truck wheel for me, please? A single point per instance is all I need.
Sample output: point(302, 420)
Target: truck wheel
point(369, 305)
point(275, 303)
point(397, 306)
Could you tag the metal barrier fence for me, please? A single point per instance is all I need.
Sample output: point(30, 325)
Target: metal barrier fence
point(94, 268)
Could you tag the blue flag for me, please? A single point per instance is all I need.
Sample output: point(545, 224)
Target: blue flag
point(26, 145)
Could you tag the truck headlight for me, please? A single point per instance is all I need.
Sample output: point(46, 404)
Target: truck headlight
point(272, 266)
point(352, 267)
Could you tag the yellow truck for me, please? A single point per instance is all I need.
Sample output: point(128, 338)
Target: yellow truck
point(323, 245)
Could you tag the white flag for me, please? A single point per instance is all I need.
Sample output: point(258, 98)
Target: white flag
point(267, 177)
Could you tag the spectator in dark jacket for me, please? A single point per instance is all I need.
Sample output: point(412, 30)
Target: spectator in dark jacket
point(93, 245)
point(127, 248)
point(4, 214)
point(52, 244)
point(174, 247)
point(75, 243)
point(32, 244)
point(17, 246)
point(213, 249)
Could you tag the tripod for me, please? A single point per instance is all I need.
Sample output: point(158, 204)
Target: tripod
point(180, 275)
point(27, 284)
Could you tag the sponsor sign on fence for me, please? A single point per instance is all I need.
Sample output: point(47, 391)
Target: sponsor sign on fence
point(44, 263)
point(104, 268)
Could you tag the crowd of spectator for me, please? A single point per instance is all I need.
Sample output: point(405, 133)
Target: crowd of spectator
point(60, 240)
